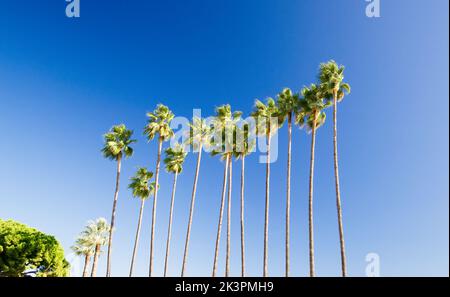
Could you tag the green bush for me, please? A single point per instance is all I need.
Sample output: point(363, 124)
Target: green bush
point(25, 251)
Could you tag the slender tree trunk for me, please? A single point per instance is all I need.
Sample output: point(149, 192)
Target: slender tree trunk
point(242, 217)
point(288, 192)
point(87, 260)
point(191, 212)
point(113, 216)
point(95, 262)
point(338, 193)
point(228, 254)
point(266, 219)
point(155, 199)
point(311, 188)
point(136, 240)
point(169, 232)
point(219, 226)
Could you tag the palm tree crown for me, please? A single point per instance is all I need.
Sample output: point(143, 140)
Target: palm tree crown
point(159, 123)
point(311, 107)
point(264, 114)
point(97, 232)
point(140, 184)
point(287, 103)
point(83, 246)
point(199, 133)
point(175, 158)
point(117, 142)
point(225, 130)
point(332, 80)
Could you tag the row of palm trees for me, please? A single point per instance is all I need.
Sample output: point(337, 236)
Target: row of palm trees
point(305, 109)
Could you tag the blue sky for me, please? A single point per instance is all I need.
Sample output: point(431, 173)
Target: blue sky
point(64, 82)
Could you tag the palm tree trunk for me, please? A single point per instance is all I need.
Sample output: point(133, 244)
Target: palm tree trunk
point(87, 259)
point(266, 216)
point(95, 262)
point(169, 232)
point(311, 188)
point(219, 226)
point(113, 216)
point(242, 218)
point(288, 192)
point(338, 193)
point(230, 178)
point(155, 199)
point(191, 211)
point(136, 241)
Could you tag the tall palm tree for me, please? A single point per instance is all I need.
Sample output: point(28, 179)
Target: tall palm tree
point(199, 137)
point(96, 233)
point(332, 76)
point(141, 188)
point(116, 146)
point(174, 164)
point(158, 124)
point(244, 147)
point(83, 247)
point(224, 142)
point(268, 120)
point(287, 105)
point(311, 116)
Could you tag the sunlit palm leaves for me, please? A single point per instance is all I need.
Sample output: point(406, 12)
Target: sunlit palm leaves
point(175, 158)
point(200, 133)
point(310, 108)
point(332, 80)
point(140, 184)
point(158, 123)
point(117, 142)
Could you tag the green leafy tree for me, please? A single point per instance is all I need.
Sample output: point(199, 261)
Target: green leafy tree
point(25, 251)
point(117, 145)
point(224, 144)
point(158, 125)
point(310, 115)
point(268, 120)
point(174, 164)
point(199, 137)
point(141, 188)
point(84, 248)
point(287, 104)
point(331, 78)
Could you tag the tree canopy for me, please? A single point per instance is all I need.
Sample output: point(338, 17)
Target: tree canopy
point(25, 251)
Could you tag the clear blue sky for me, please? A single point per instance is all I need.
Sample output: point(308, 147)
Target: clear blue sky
point(64, 82)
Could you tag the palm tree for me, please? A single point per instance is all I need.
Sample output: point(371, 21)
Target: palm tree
point(116, 146)
point(223, 141)
point(84, 248)
point(244, 147)
point(310, 115)
point(199, 137)
point(96, 234)
point(287, 105)
point(158, 124)
point(268, 120)
point(174, 164)
point(142, 189)
point(332, 76)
